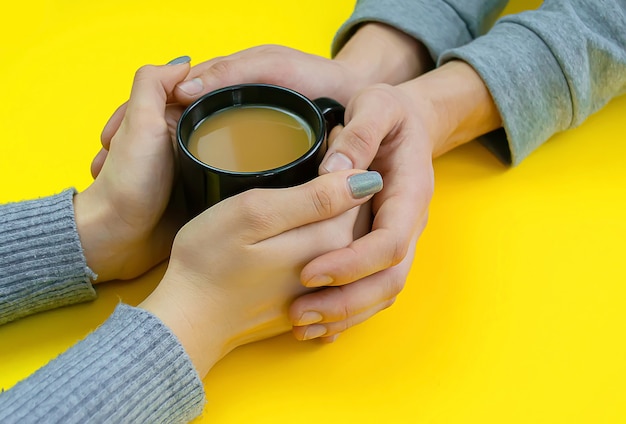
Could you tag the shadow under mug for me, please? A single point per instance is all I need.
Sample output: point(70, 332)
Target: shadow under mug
point(205, 185)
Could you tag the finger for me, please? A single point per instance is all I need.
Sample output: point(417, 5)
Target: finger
point(330, 311)
point(114, 122)
point(241, 67)
point(401, 212)
point(370, 118)
point(98, 162)
point(328, 331)
point(151, 87)
point(329, 339)
point(269, 212)
point(334, 304)
point(268, 64)
point(112, 125)
point(332, 136)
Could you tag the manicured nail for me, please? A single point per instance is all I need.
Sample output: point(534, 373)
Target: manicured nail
point(309, 317)
point(337, 162)
point(331, 339)
point(319, 281)
point(314, 331)
point(365, 184)
point(191, 87)
point(179, 60)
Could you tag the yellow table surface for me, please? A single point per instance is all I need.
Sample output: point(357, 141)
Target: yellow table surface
point(515, 308)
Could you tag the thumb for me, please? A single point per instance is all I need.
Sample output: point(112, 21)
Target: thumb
point(370, 117)
point(152, 87)
point(114, 122)
point(269, 212)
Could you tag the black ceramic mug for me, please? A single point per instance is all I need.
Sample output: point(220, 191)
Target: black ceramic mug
point(205, 185)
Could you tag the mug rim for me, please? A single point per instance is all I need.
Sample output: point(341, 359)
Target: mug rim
point(319, 139)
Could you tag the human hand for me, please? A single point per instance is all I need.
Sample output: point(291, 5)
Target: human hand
point(375, 53)
point(235, 268)
point(385, 131)
point(397, 129)
point(123, 218)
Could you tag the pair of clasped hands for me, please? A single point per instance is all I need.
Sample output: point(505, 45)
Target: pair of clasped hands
point(262, 262)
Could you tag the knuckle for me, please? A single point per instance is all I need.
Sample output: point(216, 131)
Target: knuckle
point(398, 251)
point(389, 100)
point(144, 72)
point(393, 286)
point(221, 69)
point(143, 121)
point(388, 303)
point(269, 49)
point(381, 90)
point(384, 94)
point(322, 201)
point(346, 309)
point(362, 138)
point(252, 214)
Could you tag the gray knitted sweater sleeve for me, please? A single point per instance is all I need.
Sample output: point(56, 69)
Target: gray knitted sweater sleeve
point(42, 265)
point(131, 369)
point(439, 24)
point(549, 69)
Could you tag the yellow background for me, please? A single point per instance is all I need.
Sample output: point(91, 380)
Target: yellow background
point(514, 311)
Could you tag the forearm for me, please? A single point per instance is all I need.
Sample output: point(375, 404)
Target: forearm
point(378, 53)
point(548, 70)
point(438, 25)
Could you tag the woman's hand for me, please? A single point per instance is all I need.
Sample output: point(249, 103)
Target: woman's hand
point(236, 267)
point(125, 218)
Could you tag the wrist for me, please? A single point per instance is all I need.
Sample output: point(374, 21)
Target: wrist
point(195, 319)
point(91, 221)
point(112, 247)
point(379, 53)
point(456, 103)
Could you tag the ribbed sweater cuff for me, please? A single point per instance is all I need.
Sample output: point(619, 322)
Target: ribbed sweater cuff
point(131, 369)
point(42, 265)
point(526, 82)
point(434, 23)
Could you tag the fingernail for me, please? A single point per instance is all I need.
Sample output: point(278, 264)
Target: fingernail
point(365, 184)
point(309, 317)
point(314, 331)
point(337, 162)
point(319, 281)
point(179, 60)
point(191, 87)
point(331, 339)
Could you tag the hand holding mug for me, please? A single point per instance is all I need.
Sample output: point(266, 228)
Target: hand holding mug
point(235, 268)
point(386, 130)
point(123, 219)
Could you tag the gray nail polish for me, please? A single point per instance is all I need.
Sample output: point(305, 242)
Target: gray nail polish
point(179, 60)
point(364, 184)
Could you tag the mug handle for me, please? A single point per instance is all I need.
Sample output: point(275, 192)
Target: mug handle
point(332, 110)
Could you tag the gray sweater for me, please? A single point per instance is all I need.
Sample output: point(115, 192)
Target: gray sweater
point(547, 69)
point(130, 369)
